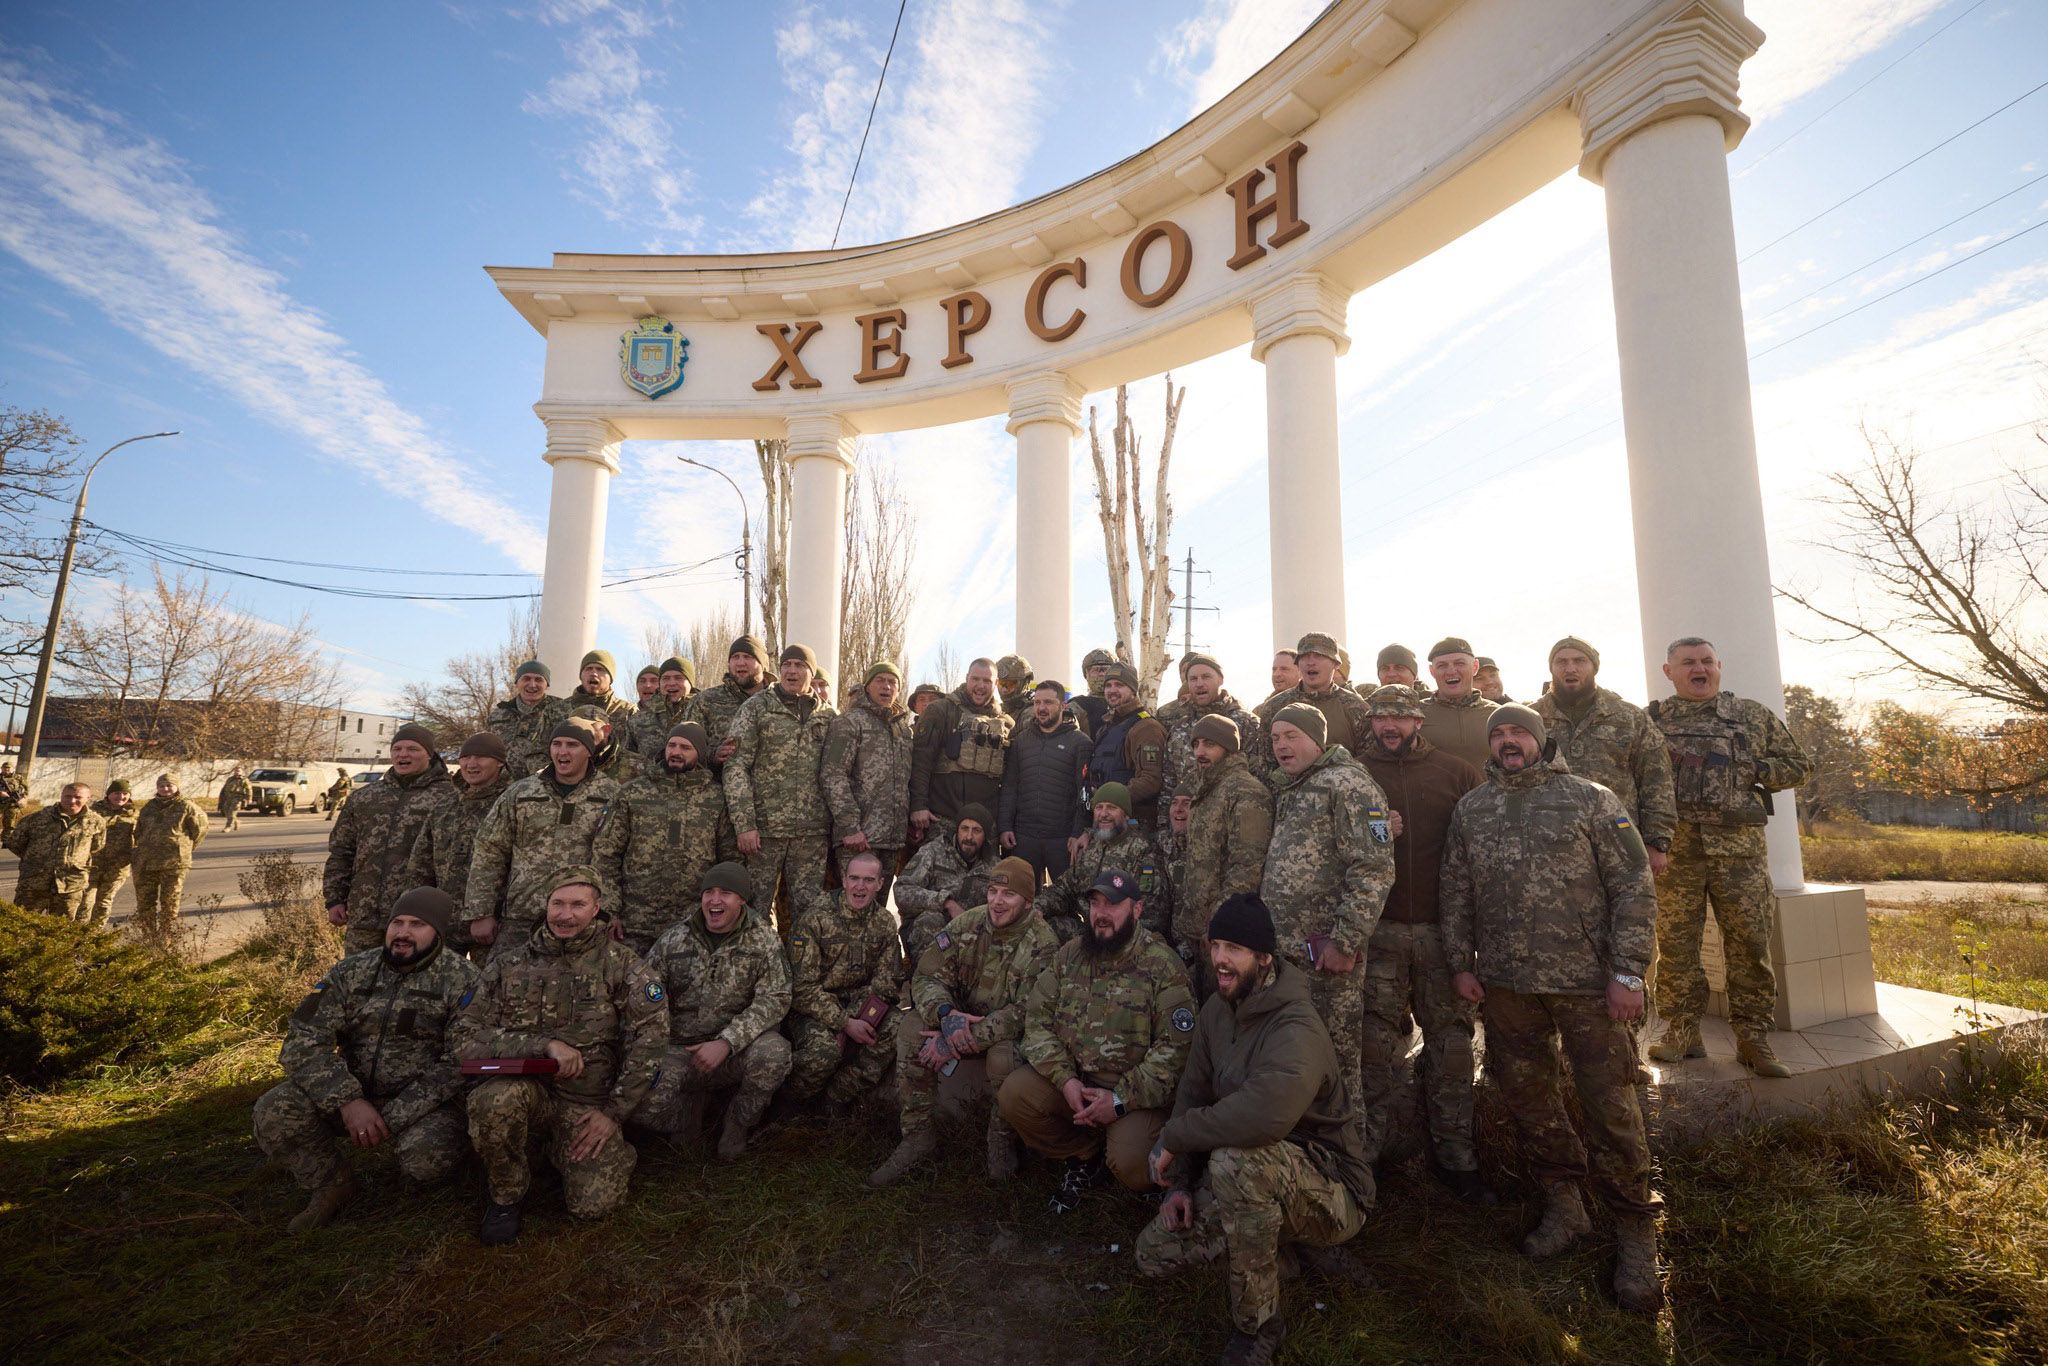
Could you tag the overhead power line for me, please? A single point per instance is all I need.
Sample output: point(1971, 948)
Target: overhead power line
point(873, 105)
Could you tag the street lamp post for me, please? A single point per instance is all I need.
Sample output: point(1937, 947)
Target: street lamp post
point(746, 545)
point(32, 729)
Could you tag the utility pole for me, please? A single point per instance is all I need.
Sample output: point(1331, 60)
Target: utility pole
point(1188, 608)
point(746, 559)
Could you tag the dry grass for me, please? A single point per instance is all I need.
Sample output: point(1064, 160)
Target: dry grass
point(1855, 852)
point(1981, 949)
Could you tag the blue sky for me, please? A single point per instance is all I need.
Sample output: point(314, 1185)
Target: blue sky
point(266, 227)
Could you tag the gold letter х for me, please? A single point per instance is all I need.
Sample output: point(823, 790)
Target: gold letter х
point(786, 361)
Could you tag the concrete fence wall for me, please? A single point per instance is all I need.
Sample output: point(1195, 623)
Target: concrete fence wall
point(2027, 816)
point(200, 779)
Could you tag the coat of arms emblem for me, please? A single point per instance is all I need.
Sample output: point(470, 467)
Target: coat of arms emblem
point(652, 355)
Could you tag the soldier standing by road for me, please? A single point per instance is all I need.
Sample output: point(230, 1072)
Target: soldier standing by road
point(13, 792)
point(1115, 841)
point(1014, 685)
point(676, 829)
point(57, 846)
point(442, 854)
point(646, 687)
point(1548, 912)
point(1397, 664)
point(613, 758)
point(866, 773)
point(1286, 672)
point(843, 955)
point(527, 718)
point(1220, 837)
point(957, 753)
point(714, 708)
point(337, 793)
point(371, 841)
point(235, 794)
point(117, 855)
point(168, 831)
point(772, 790)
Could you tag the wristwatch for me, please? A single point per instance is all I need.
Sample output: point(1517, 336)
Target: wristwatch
point(1629, 981)
point(1116, 1103)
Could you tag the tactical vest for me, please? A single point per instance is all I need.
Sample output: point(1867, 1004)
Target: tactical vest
point(1712, 769)
point(976, 745)
point(1106, 762)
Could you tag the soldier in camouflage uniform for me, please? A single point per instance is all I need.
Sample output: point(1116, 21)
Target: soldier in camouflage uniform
point(442, 854)
point(594, 687)
point(957, 752)
point(525, 720)
point(57, 846)
point(560, 816)
point(370, 1055)
point(1106, 1030)
point(372, 839)
point(866, 772)
point(947, 878)
point(646, 687)
point(235, 794)
point(647, 736)
point(1013, 688)
point(1115, 841)
point(841, 953)
point(337, 793)
point(168, 830)
point(1345, 722)
point(676, 829)
point(1727, 755)
point(968, 994)
point(1202, 680)
point(1548, 912)
point(117, 855)
point(1221, 831)
point(728, 988)
point(715, 708)
point(572, 993)
point(13, 792)
point(1612, 741)
point(772, 789)
point(1328, 871)
point(613, 759)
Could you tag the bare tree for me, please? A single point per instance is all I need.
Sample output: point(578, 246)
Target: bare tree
point(460, 705)
point(39, 456)
point(1141, 618)
point(663, 638)
point(874, 595)
point(774, 578)
point(711, 634)
point(946, 663)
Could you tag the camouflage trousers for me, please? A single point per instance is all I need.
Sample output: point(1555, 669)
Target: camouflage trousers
point(1340, 999)
point(1738, 887)
point(1523, 1033)
point(921, 933)
point(356, 938)
point(305, 1140)
point(159, 893)
point(1250, 1202)
point(1039, 1114)
point(509, 1116)
point(920, 1091)
point(42, 894)
point(1405, 971)
point(818, 1063)
point(231, 812)
point(796, 865)
point(753, 1072)
point(100, 896)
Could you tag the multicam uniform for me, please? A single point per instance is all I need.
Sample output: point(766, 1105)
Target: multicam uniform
point(235, 794)
point(771, 788)
point(676, 827)
point(732, 987)
point(168, 830)
point(525, 730)
point(371, 1031)
point(1064, 901)
point(937, 874)
point(1230, 828)
point(529, 833)
point(1178, 775)
point(442, 854)
point(371, 842)
point(57, 854)
point(110, 867)
point(975, 967)
point(839, 957)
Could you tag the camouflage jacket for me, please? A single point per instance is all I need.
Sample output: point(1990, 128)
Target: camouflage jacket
point(13, 790)
point(985, 971)
point(1177, 769)
point(944, 774)
point(527, 834)
point(771, 781)
point(1230, 825)
point(937, 874)
point(866, 774)
point(369, 1031)
point(676, 828)
point(236, 790)
point(1614, 743)
point(1331, 863)
point(167, 831)
point(1342, 708)
point(618, 708)
point(617, 762)
point(647, 735)
point(1122, 1022)
point(716, 708)
point(733, 986)
point(525, 731)
point(441, 855)
point(839, 956)
point(118, 852)
point(1722, 751)
point(372, 841)
point(1546, 887)
point(591, 992)
point(1064, 903)
point(58, 847)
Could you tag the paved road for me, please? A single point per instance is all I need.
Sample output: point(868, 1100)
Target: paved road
point(1907, 893)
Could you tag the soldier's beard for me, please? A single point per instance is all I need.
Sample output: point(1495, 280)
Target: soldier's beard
point(1095, 946)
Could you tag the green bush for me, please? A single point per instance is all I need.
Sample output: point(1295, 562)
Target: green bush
point(72, 998)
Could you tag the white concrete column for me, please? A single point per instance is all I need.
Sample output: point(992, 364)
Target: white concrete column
point(585, 455)
point(820, 455)
point(1298, 331)
point(1045, 416)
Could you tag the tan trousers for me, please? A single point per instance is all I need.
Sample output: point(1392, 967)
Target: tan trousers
point(1038, 1112)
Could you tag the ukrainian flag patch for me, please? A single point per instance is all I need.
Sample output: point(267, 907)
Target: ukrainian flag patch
point(1623, 823)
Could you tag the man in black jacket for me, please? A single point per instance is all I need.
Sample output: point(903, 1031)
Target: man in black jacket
point(1041, 803)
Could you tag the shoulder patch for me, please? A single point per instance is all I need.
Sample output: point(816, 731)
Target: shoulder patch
point(1622, 823)
point(1377, 822)
point(310, 1007)
point(655, 993)
point(1183, 1019)
point(796, 941)
point(467, 997)
point(944, 941)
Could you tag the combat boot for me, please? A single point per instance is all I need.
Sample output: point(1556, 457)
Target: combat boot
point(1002, 1151)
point(1636, 1287)
point(1754, 1052)
point(1564, 1221)
point(1468, 1186)
point(325, 1204)
point(1255, 1349)
point(500, 1226)
point(733, 1134)
point(917, 1145)
point(1079, 1174)
point(1681, 1041)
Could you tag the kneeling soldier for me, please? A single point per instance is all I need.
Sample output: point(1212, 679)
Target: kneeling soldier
point(573, 993)
point(969, 991)
point(728, 988)
point(1263, 1149)
point(844, 957)
point(369, 1054)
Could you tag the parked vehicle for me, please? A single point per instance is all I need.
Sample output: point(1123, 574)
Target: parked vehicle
point(283, 791)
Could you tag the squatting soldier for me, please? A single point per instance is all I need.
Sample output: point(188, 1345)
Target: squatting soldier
point(337, 793)
point(58, 846)
point(1405, 970)
point(372, 839)
point(1114, 841)
point(957, 752)
point(1454, 717)
point(771, 785)
point(1106, 1030)
point(866, 772)
point(117, 855)
point(1221, 831)
point(168, 831)
point(1202, 680)
point(527, 718)
point(446, 846)
point(676, 829)
point(841, 953)
point(1728, 754)
point(1548, 913)
point(1129, 747)
point(594, 687)
point(746, 666)
point(13, 792)
point(662, 713)
point(947, 878)
point(613, 758)
point(607, 1049)
point(560, 816)
point(1345, 723)
point(968, 993)
point(728, 989)
point(235, 794)
point(1614, 742)
point(1328, 871)
point(370, 1055)
point(1042, 775)
point(1263, 1150)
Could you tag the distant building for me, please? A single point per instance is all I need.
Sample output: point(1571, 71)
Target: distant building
point(186, 729)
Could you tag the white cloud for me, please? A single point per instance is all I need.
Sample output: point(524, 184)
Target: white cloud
point(114, 216)
point(1212, 53)
point(1808, 44)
